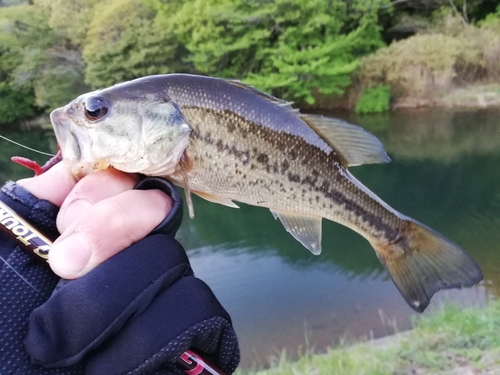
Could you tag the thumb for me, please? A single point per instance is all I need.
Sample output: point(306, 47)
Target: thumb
point(105, 229)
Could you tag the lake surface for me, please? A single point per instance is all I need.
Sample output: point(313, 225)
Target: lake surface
point(445, 172)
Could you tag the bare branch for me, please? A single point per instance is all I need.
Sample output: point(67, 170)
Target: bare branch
point(464, 22)
point(464, 11)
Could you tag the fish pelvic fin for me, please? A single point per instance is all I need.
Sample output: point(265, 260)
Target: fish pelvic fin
point(422, 262)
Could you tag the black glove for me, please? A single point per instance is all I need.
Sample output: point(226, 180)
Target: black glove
point(136, 313)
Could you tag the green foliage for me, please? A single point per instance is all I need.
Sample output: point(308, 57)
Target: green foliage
point(17, 99)
point(69, 19)
point(34, 59)
point(374, 100)
point(15, 104)
point(492, 21)
point(125, 40)
point(298, 50)
point(287, 47)
point(477, 10)
point(23, 29)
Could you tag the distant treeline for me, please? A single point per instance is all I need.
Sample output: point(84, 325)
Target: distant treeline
point(53, 50)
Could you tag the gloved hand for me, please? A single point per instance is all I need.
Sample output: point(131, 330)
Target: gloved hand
point(135, 313)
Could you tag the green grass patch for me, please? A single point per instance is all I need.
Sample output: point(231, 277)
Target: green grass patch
point(451, 341)
point(374, 100)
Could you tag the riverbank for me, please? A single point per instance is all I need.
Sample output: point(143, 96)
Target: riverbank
point(452, 341)
point(473, 96)
point(470, 96)
point(476, 96)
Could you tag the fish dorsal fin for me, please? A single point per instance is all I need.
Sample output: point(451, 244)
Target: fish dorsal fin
point(354, 144)
point(215, 199)
point(279, 102)
point(305, 229)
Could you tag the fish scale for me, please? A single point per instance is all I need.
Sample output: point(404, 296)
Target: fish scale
point(245, 176)
point(226, 141)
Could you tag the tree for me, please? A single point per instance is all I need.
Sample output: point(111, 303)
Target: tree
point(69, 19)
point(126, 40)
point(287, 47)
point(17, 100)
point(36, 60)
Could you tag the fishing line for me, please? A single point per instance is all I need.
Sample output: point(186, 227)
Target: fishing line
point(20, 276)
point(26, 147)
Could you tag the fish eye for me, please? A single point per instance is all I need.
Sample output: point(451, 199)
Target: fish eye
point(96, 108)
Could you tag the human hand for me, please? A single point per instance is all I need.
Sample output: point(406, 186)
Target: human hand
point(136, 313)
point(100, 215)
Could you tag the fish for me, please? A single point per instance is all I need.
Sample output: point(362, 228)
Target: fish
point(228, 142)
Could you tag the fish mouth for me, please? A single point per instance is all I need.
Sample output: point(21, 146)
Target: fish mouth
point(60, 125)
point(72, 140)
point(68, 144)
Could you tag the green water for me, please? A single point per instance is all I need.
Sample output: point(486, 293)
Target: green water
point(445, 172)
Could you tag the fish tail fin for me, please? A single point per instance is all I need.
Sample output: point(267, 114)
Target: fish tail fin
point(422, 262)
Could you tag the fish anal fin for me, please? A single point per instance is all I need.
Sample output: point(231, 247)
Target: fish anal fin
point(423, 262)
point(355, 145)
point(215, 199)
point(305, 229)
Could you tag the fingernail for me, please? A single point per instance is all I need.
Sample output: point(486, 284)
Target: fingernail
point(69, 257)
point(71, 212)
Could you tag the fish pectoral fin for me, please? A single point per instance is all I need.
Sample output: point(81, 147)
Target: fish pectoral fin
point(185, 184)
point(215, 199)
point(305, 229)
point(355, 145)
point(422, 262)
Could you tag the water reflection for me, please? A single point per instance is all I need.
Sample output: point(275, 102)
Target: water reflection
point(444, 173)
point(440, 135)
point(42, 140)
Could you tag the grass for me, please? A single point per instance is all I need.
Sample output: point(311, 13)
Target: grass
point(452, 341)
point(374, 100)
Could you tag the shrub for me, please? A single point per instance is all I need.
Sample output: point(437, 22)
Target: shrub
point(492, 20)
point(428, 66)
point(374, 100)
point(15, 104)
point(422, 65)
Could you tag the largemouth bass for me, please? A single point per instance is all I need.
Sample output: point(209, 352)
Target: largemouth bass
point(226, 141)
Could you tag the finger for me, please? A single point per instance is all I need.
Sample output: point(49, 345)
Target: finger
point(90, 190)
point(53, 185)
point(93, 308)
point(105, 229)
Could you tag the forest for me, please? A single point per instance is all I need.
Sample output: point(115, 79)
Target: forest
point(364, 55)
